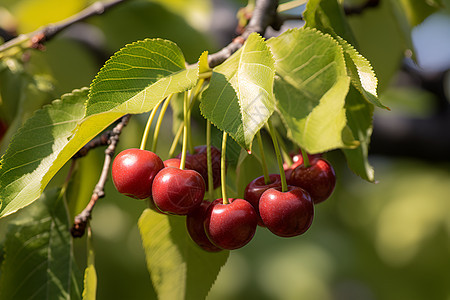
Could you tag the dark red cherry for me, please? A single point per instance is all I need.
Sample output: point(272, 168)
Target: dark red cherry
point(199, 162)
point(177, 191)
point(319, 179)
point(231, 226)
point(195, 225)
point(133, 171)
point(287, 213)
point(256, 188)
point(175, 162)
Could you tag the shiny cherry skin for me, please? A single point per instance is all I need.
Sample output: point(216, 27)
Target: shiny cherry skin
point(256, 188)
point(134, 170)
point(199, 162)
point(177, 191)
point(297, 160)
point(195, 226)
point(319, 179)
point(231, 226)
point(286, 214)
point(175, 162)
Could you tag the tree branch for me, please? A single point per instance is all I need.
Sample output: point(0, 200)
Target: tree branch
point(264, 15)
point(37, 38)
point(83, 218)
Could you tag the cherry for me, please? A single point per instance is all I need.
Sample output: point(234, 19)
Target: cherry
point(297, 160)
point(178, 191)
point(175, 162)
point(256, 188)
point(134, 170)
point(195, 225)
point(230, 226)
point(199, 162)
point(287, 213)
point(318, 179)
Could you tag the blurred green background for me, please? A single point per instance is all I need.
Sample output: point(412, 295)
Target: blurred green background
point(389, 240)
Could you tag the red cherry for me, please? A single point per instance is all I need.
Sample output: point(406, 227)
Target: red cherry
point(231, 226)
point(178, 191)
point(287, 213)
point(297, 160)
point(199, 162)
point(319, 179)
point(195, 225)
point(133, 171)
point(256, 188)
point(175, 162)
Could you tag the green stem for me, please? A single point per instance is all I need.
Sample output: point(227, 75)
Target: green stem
point(188, 123)
point(290, 5)
point(263, 159)
point(148, 125)
point(185, 132)
point(173, 147)
point(159, 122)
point(205, 75)
point(278, 155)
point(284, 151)
point(305, 158)
point(209, 162)
point(223, 177)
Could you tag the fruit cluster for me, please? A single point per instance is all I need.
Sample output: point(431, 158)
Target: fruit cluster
point(224, 223)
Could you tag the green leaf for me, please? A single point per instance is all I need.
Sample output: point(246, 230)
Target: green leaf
point(361, 72)
point(39, 262)
point(90, 275)
point(384, 44)
point(239, 99)
point(138, 77)
point(29, 163)
point(328, 17)
point(132, 81)
point(359, 115)
point(179, 269)
point(310, 88)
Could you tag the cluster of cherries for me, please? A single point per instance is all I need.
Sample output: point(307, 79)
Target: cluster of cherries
point(225, 223)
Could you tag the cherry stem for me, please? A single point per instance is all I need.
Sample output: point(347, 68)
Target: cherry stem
point(181, 127)
point(223, 178)
point(176, 139)
point(263, 159)
point(190, 95)
point(209, 161)
point(284, 151)
point(278, 155)
point(305, 158)
point(185, 132)
point(148, 125)
point(159, 122)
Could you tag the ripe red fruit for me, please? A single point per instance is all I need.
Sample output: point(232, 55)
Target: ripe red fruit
point(256, 188)
point(175, 162)
point(287, 213)
point(230, 226)
point(319, 179)
point(178, 191)
point(199, 162)
point(297, 160)
point(133, 171)
point(195, 225)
